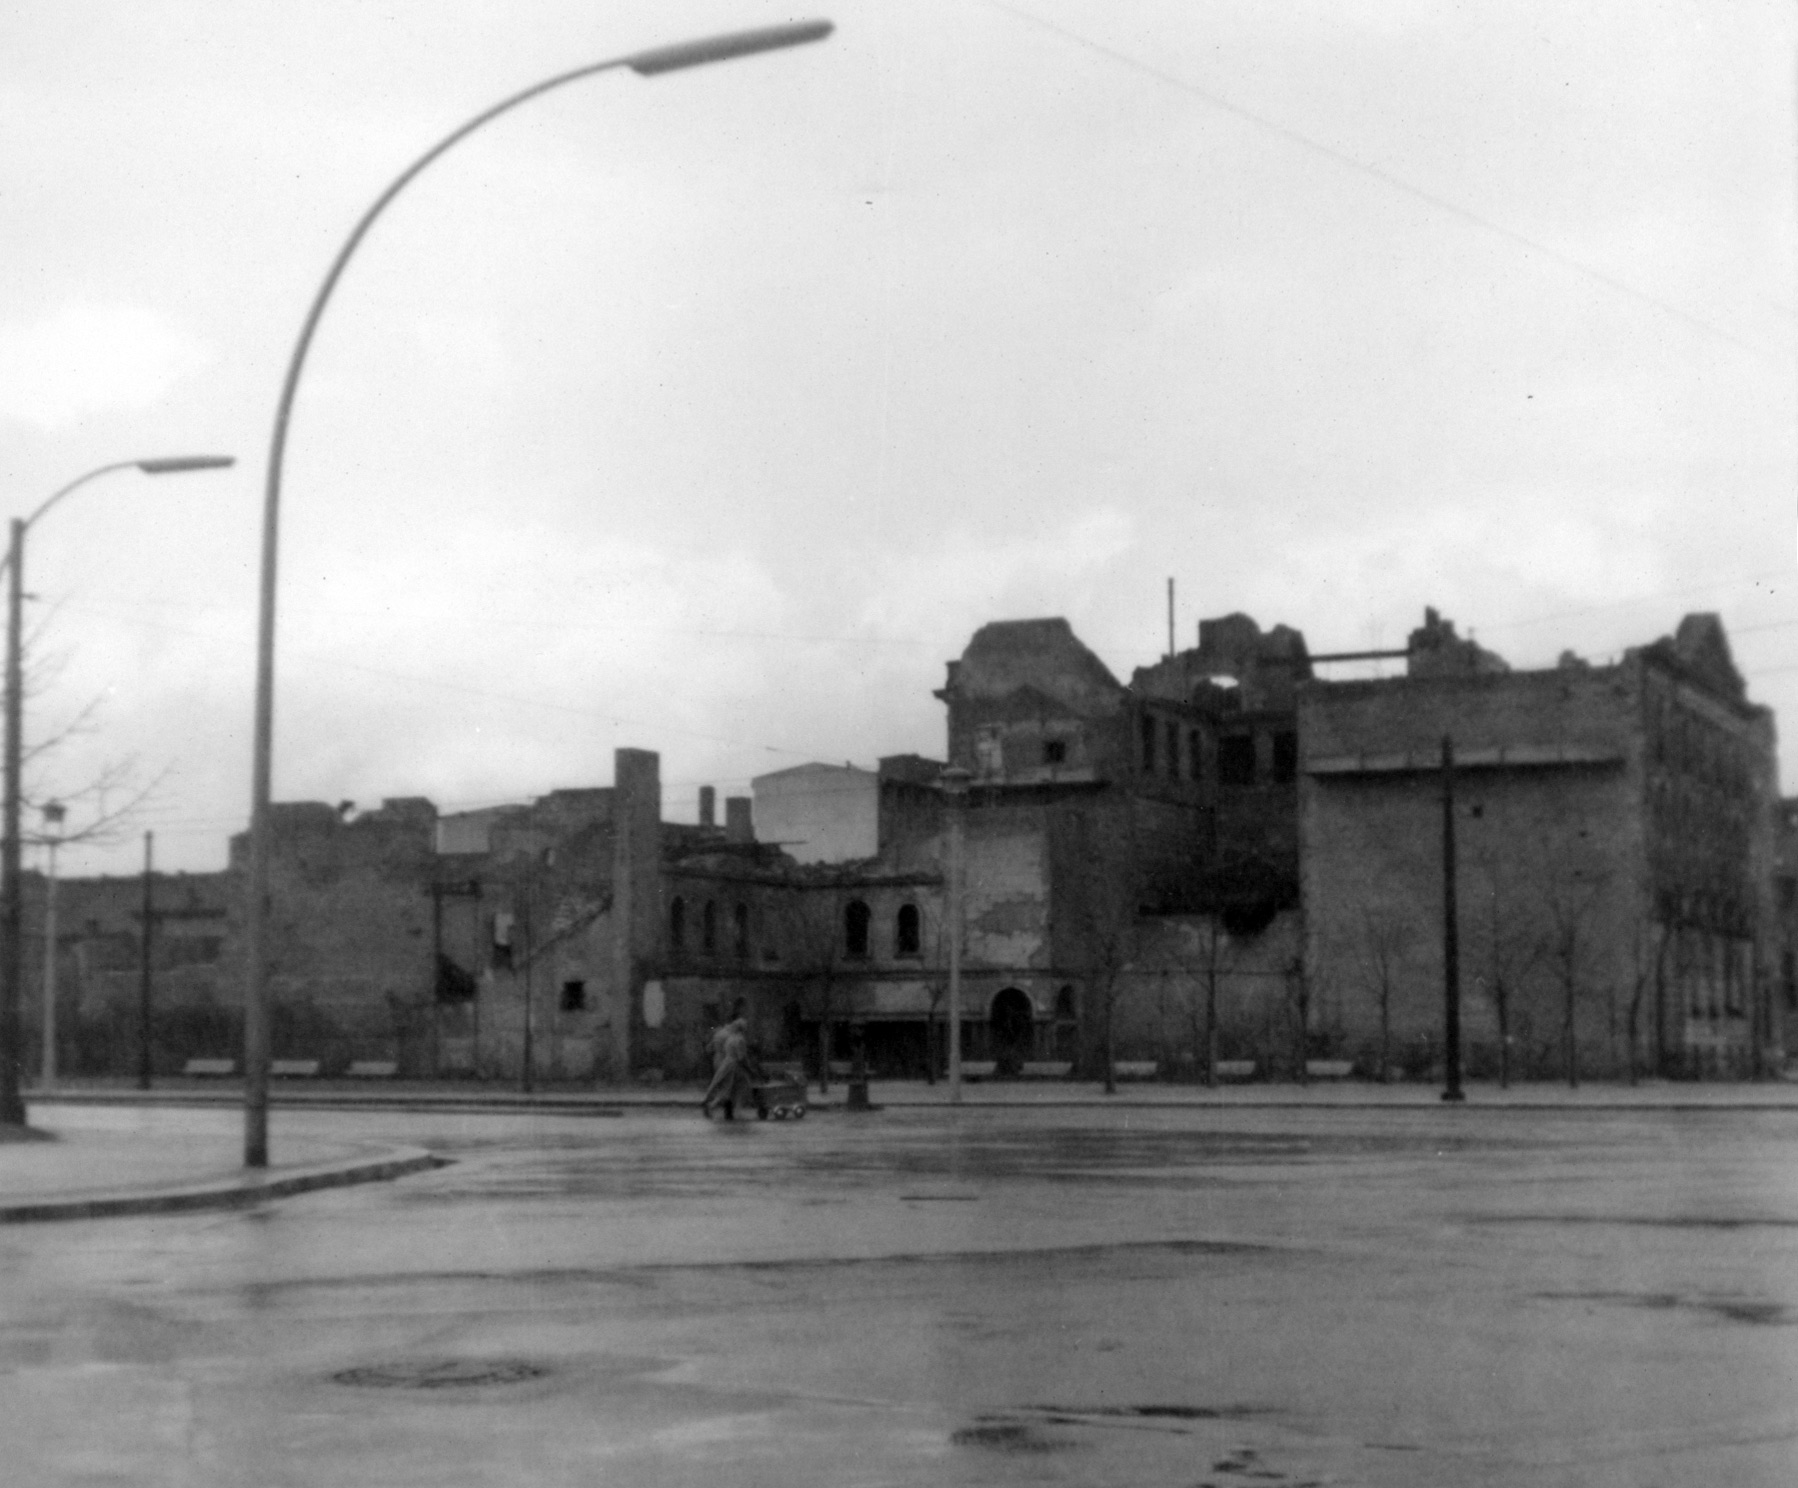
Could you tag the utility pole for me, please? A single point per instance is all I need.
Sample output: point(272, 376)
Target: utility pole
point(1451, 945)
point(143, 977)
point(525, 927)
point(53, 819)
point(955, 788)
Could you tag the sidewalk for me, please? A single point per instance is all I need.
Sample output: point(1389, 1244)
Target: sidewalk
point(477, 1096)
point(92, 1169)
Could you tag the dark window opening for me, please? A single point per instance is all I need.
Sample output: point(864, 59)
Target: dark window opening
point(905, 931)
point(1788, 893)
point(1149, 733)
point(1286, 756)
point(855, 930)
point(502, 942)
point(1173, 750)
point(708, 928)
point(574, 997)
point(1788, 979)
point(1236, 759)
point(1195, 756)
point(1055, 751)
point(741, 917)
point(677, 925)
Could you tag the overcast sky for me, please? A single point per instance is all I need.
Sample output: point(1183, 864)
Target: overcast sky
point(712, 413)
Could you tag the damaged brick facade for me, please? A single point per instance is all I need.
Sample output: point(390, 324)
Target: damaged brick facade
point(1614, 834)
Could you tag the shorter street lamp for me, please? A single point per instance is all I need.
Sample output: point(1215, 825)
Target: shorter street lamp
point(54, 812)
point(12, 1106)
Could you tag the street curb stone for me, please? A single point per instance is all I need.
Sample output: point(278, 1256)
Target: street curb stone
point(235, 1193)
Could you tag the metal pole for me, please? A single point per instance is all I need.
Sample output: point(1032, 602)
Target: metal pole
point(651, 63)
point(1451, 945)
point(955, 785)
point(12, 1106)
point(145, 1064)
point(525, 928)
point(50, 967)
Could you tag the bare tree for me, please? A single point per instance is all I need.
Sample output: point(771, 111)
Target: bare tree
point(1213, 942)
point(1571, 898)
point(1298, 992)
point(100, 806)
point(1384, 936)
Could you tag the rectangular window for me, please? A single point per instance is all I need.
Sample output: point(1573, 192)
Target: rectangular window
point(1236, 759)
point(1055, 751)
point(574, 997)
point(1173, 750)
point(1286, 756)
point(1149, 733)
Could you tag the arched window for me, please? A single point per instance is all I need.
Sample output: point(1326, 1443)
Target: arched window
point(708, 929)
point(741, 916)
point(677, 925)
point(855, 930)
point(906, 940)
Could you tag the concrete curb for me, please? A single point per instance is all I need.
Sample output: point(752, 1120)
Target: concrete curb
point(236, 1193)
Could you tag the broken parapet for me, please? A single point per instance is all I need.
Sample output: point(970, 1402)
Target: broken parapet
point(1436, 651)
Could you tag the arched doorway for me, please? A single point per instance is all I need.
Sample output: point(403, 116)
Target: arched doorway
point(1012, 1027)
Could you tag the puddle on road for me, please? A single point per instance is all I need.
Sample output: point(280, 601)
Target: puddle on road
point(440, 1374)
point(1752, 1310)
point(1001, 1435)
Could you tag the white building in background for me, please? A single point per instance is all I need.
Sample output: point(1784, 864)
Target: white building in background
point(819, 813)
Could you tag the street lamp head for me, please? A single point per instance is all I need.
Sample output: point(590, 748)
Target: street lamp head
point(175, 464)
point(723, 48)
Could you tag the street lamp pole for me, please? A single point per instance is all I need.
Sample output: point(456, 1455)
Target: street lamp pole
point(12, 960)
point(652, 63)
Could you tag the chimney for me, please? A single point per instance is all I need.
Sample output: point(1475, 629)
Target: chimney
point(739, 824)
point(708, 811)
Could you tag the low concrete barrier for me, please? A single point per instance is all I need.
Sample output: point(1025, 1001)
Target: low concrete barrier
point(373, 1069)
point(1047, 1069)
point(1236, 1069)
point(210, 1067)
point(1329, 1069)
point(1136, 1069)
point(293, 1069)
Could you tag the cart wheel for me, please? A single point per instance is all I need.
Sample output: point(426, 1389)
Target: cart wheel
point(798, 1113)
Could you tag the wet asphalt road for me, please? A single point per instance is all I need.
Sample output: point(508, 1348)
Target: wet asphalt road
point(1181, 1297)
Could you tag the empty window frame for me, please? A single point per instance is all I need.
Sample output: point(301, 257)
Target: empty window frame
point(708, 929)
point(1149, 734)
point(1055, 751)
point(1236, 759)
point(1286, 756)
point(907, 939)
point(574, 996)
point(856, 917)
point(740, 921)
point(677, 925)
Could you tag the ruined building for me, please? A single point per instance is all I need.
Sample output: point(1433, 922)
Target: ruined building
point(1614, 841)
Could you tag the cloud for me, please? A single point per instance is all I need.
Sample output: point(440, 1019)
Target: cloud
point(89, 358)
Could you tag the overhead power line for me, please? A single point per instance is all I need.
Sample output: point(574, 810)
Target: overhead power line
point(1395, 182)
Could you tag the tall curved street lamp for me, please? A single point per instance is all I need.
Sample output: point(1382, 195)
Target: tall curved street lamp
point(651, 63)
point(12, 960)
